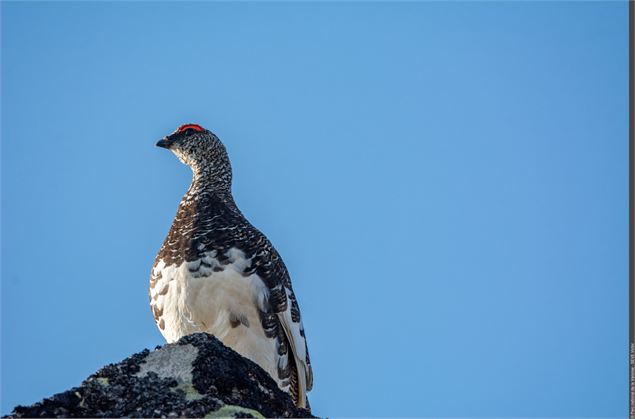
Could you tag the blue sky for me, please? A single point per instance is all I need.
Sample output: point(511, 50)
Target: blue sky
point(446, 182)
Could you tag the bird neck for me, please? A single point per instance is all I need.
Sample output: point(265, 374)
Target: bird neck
point(207, 184)
point(211, 179)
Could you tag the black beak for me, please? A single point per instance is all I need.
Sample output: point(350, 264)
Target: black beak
point(165, 142)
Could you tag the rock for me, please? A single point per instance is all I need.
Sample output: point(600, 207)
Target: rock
point(196, 377)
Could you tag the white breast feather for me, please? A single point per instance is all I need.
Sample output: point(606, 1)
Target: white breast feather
point(206, 301)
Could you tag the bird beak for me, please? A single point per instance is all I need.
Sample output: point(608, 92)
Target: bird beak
point(165, 142)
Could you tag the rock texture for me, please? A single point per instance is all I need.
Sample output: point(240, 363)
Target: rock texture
point(196, 377)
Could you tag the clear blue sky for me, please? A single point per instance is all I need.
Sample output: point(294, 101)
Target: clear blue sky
point(446, 182)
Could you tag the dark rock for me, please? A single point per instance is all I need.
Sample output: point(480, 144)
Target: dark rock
point(196, 377)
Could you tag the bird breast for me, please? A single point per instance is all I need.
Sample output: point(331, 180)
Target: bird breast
point(206, 296)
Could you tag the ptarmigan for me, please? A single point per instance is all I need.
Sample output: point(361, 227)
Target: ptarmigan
point(216, 273)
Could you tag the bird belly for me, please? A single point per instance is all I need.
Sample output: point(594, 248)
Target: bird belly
point(223, 303)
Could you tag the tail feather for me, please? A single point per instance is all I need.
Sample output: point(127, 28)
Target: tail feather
point(301, 400)
point(297, 384)
point(301, 374)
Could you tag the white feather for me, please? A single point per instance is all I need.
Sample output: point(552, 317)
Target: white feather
point(208, 301)
point(298, 347)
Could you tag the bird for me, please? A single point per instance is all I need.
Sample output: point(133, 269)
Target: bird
point(216, 273)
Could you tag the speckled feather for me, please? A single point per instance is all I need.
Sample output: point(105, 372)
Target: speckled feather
point(208, 223)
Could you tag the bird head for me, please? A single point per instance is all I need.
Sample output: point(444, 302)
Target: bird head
point(201, 150)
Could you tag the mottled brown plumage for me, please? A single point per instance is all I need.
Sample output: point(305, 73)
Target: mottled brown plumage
point(211, 249)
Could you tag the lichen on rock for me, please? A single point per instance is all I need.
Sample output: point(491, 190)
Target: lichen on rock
point(196, 377)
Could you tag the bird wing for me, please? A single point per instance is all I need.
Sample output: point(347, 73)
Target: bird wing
point(281, 319)
point(278, 307)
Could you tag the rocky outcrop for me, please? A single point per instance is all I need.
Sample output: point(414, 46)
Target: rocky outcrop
point(196, 377)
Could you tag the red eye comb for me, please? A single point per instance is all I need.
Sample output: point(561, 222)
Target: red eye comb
point(195, 127)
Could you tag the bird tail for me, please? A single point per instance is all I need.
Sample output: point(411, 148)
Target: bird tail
point(297, 387)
